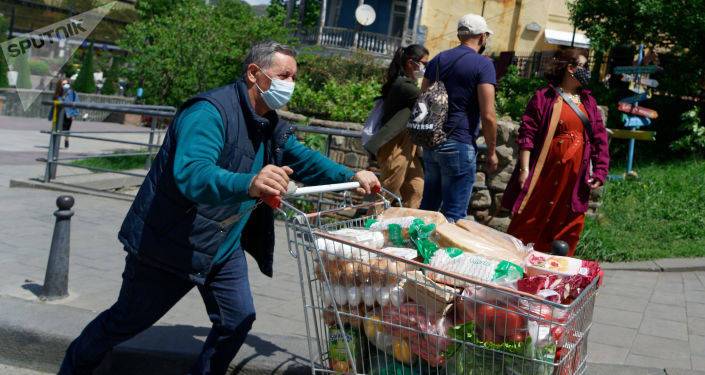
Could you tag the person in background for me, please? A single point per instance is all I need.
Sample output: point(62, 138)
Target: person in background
point(65, 94)
point(469, 79)
point(397, 157)
point(550, 188)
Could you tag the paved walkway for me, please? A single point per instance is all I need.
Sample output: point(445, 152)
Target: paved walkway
point(655, 320)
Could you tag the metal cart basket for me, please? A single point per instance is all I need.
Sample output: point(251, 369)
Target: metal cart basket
point(377, 311)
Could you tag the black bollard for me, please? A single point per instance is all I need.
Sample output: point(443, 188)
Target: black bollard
point(559, 247)
point(56, 280)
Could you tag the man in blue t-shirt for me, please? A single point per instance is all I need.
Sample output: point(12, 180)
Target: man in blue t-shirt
point(470, 80)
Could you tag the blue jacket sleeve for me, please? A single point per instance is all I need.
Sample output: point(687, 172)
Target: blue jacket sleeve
point(312, 168)
point(200, 135)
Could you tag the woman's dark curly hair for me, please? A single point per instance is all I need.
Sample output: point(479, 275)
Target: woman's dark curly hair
point(561, 60)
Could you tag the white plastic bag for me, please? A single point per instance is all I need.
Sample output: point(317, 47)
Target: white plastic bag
point(373, 122)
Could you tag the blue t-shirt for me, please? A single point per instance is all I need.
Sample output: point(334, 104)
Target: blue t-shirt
point(461, 84)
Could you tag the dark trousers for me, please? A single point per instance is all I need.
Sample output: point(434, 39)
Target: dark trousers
point(147, 293)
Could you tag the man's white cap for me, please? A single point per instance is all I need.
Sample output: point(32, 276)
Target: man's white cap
point(473, 24)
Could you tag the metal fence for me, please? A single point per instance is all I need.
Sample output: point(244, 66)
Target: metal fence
point(53, 159)
point(157, 114)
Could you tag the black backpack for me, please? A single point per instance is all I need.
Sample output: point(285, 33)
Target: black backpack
point(430, 112)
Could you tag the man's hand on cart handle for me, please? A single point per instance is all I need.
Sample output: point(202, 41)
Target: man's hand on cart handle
point(368, 182)
point(271, 180)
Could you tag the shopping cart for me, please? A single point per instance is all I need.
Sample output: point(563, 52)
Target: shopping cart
point(371, 311)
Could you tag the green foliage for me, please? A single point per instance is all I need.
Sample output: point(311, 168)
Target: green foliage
point(85, 81)
point(316, 142)
point(155, 8)
point(39, 67)
point(335, 88)
point(118, 163)
point(174, 67)
point(3, 62)
point(24, 77)
point(79, 6)
point(514, 93)
point(693, 140)
point(312, 15)
point(316, 70)
point(338, 101)
point(110, 86)
point(659, 215)
point(675, 26)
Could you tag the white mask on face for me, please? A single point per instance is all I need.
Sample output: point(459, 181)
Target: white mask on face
point(420, 71)
point(66, 86)
point(279, 92)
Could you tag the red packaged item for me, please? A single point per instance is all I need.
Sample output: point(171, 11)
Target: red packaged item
point(426, 334)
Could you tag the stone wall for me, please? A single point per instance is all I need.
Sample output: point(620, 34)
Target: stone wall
point(485, 204)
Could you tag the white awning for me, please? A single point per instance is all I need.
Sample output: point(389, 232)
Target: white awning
point(564, 38)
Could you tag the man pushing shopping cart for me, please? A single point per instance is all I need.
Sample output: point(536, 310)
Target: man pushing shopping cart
point(198, 209)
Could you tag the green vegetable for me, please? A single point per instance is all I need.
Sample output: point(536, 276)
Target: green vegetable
point(476, 357)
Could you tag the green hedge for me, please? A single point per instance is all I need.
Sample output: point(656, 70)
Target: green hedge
point(39, 68)
point(338, 101)
point(514, 93)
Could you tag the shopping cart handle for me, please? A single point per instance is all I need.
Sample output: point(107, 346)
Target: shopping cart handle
point(273, 201)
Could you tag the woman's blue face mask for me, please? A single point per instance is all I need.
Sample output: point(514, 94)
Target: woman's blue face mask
point(279, 92)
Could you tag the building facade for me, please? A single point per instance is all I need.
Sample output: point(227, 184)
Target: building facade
point(523, 27)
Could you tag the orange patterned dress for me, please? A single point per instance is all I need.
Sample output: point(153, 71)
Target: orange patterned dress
point(547, 216)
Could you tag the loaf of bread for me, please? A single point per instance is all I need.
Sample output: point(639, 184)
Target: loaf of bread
point(482, 240)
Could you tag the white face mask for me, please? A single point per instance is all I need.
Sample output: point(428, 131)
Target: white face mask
point(420, 71)
point(66, 86)
point(279, 92)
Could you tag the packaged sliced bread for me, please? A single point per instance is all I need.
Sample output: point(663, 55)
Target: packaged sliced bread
point(482, 240)
point(400, 212)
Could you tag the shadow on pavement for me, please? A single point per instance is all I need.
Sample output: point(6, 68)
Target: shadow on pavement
point(169, 350)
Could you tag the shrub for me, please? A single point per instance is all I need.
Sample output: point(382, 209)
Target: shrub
point(173, 67)
point(693, 140)
point(514, 93)
point(39, 68)
point(3, 62)
point(316, 70)
point(24, 78)
point(110, 86)
point(85, 81)
point(338, 101)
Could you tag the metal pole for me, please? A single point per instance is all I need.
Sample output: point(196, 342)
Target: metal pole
point(329, 141)
point(324, 6)
point(153, 126)
point(630, 158)
point(54, 144)
point(417, 19)
point(405, 31)
point(572, 41)
point(56, 280)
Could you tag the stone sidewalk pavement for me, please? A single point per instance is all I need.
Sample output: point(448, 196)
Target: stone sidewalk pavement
point(652, 320)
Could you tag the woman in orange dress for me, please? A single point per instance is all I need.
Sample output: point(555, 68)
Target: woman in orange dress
point(550, 189)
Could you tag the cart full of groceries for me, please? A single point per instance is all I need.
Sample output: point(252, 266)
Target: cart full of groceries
point(397, 291)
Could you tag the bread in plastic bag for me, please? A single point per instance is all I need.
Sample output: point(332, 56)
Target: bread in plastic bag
point(479, 239)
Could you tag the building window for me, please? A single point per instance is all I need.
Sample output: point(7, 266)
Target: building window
point(398, 19)
point(333, 15)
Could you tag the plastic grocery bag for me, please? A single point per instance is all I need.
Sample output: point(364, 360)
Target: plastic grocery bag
point(479, 239)
point(373, 122)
